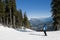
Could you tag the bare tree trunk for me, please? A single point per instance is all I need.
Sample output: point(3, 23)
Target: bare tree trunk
point(10, 18)
point(14, 21)
point(4, 21)
point(7, 21)
point(1, 19)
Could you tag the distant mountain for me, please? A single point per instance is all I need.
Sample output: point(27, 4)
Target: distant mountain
point(37, 24)
point(35, 21)
point(49, 19)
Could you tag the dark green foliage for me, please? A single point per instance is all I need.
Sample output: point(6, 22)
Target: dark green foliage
point(19, 18)
point(56, 13)
point(2, 10)
point(25, 21)
point(10, 10)
point(10, 16)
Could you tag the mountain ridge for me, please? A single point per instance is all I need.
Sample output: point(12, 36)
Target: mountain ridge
point(41, 20)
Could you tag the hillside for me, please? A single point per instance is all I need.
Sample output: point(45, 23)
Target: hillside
point(37, 24)
point(41, 20)
point(12, 34)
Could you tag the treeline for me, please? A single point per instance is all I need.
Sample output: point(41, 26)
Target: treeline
point(55, 4)
point(10, 16)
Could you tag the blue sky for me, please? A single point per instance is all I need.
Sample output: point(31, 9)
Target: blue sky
point(35, 8)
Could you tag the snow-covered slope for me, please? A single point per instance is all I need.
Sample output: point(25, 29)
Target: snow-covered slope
point(11, 34)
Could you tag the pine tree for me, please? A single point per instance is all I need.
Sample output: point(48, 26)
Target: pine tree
point(25, 21)
point(14, 13)
point(10, 11)
point(7, 16)
point(2, 10)
point(19, 18)
point(56, 13)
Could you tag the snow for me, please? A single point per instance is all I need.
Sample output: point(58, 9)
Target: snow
point(12, 34)
point(25, 30)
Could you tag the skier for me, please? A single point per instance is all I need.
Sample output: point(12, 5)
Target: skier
point(44, 29)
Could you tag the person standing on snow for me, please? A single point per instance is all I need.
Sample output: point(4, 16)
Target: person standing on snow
point(44, 29)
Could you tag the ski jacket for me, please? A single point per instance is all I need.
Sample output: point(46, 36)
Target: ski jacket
point(45, 27)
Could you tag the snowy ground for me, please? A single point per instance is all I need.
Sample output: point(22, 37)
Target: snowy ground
point(11, 34)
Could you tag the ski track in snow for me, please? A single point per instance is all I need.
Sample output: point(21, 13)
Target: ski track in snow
point(12, 34)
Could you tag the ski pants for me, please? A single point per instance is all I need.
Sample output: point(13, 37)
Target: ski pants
point(45, 33)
